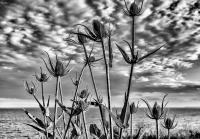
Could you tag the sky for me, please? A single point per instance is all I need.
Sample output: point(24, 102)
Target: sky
point(28, 28)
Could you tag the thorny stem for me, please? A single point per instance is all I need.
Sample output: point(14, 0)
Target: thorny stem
point(95, 90)
point(73, 103)
point(132, 66)
point(107, 86)
point(55, 107)
point(84, 123)
point(45, 119)
point(157, 130)
point(61, 98)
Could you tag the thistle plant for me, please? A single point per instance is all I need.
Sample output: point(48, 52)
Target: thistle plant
point(89, 61)
point(42, 78)
point(134, 11)
point(44, 109)
point(133, 109)
point(58, 70)
point(156, 113)
point(97, 34)
point(169, 123)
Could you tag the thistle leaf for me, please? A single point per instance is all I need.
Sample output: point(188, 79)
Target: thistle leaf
point(94, 130)
point(125, 56)
point(125, 113)
point(76, 129)
point(63, 107)
point(35, 119)
point(150, 53)
point(50, 136)
point(117, 121)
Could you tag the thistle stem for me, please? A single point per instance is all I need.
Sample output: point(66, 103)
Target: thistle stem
point(132, 66)
point(84, 123)
point(100, 108)
point(45, 119)
point(42, 88)
point(55, 107)
point(95, 90)
point(107, 87)
point(131, 131)
point(73, 103)
point(61, 98)
point(157, 130)
point(168, 133)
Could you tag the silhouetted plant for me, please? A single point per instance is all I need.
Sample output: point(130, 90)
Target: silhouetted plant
point(156, 113)
point(169, 123)
point(133, 109)
point(58, 70)
point(99, 33)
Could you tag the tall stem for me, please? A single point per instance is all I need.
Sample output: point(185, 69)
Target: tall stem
point(100, 108)
point(42, 88)
point(55, 107)
point(84, 123)
point(61, 98)
point(95, 90)
point(107, 87)
point(168, 133)
point(132, 66)
point(73, 103)
point(131, 131)
point(157, 130)
point(45, 119)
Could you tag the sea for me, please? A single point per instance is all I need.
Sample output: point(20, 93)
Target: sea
point(13, 121)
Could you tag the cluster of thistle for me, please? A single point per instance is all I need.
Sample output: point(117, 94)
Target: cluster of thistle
point(74, 124)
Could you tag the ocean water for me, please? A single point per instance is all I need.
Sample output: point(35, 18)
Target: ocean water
point(12, 121)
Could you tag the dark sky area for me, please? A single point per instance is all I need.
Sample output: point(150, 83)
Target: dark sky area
point(28, 28)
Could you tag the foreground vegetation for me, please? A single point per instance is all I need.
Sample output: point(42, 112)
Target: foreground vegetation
point(72, 118)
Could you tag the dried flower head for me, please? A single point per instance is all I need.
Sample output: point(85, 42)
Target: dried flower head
point(83, 94)
point(156, 112)
point(133, 108)
point(59, 69)
point(97, 32)
point(135, 8)
point(31, 90)
point(169, 123)
point(42, 77)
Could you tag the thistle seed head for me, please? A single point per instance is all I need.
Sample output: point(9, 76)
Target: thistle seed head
point(42, 77)
point(31, 90)
point(83, 94)
point(156, 110)
point(81, 39)
point(99, 29)
point(133, 108)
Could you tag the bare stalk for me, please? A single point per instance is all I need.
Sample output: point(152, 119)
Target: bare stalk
point(168, 133)
point(55, 107)
point(95, 90)
point(84, 123)
point(42, 88)
point(107, 86)
point(131, 131)
point(157, 130)
point(61, 98)
point(45, 118)
point(73, 103)
point(132, 66)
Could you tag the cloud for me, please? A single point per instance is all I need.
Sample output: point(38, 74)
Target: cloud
point(30, 28)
